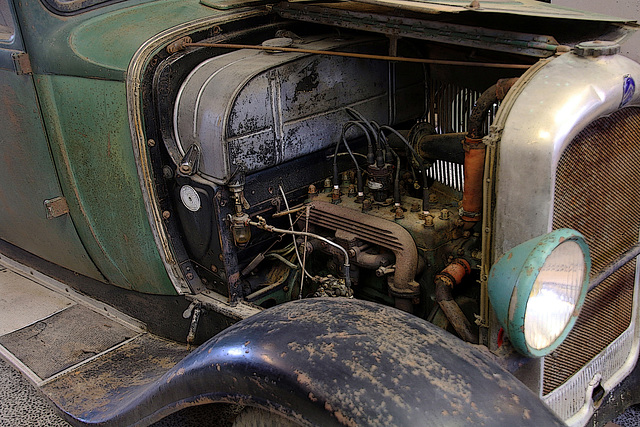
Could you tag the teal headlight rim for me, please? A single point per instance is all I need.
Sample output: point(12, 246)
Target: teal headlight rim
point(504, 287)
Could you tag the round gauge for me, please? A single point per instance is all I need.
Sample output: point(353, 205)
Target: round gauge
point(190, 198)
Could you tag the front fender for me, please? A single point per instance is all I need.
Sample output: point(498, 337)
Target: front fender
point(341, 362)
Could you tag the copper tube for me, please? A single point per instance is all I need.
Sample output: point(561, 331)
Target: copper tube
point(474, 151)
point(361, 55)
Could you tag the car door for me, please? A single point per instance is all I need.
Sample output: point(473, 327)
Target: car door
point(33, 213)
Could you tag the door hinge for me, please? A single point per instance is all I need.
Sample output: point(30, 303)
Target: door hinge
point(22, 63)
point(56, 207)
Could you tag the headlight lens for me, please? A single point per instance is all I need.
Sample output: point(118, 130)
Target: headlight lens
point(554, 295)
point(537, 290)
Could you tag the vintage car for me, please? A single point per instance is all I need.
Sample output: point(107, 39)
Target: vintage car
point(369, 212)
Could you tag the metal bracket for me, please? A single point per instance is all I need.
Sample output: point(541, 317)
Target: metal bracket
point(22, 63)
point(56, 207)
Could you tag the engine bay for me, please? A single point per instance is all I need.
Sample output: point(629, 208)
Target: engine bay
point(303, 162)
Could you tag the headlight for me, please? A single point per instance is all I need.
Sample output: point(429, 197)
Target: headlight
point(537, 290)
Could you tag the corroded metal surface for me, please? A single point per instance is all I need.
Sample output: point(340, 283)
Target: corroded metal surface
point(66, 338)
point(113, 379)
point(374, 230)
point(331, 362)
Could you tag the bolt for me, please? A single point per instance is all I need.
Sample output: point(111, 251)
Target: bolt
point(444, 214)
point(460, 252)
point(335, 196)
point(366, 205)
point(428, 221)
point(167, 172)
point(214, 268)
point(185, 168)
point(166, 214)
point(399, 213)
point(190, 276)
point(466, 234)
point(415, 207)
point(345, 179)
point(221, 257)
point(327, 185)
point(151, 142)
point(433, 198)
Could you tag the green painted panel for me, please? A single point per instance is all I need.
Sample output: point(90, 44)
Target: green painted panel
point(99, 43)
point(28, 178)
point(91, 144)
point(101, 39)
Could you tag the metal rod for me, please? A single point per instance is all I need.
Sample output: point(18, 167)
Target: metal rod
point(630, 254)
point(361, 55)
point(262, 224)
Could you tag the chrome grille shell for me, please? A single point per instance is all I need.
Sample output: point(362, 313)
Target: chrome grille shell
point(540, 117)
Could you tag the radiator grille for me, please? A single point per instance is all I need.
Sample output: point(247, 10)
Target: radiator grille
point(598, 193)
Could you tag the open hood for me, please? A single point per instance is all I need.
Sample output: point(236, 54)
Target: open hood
point(512, 7)
point(523, 27)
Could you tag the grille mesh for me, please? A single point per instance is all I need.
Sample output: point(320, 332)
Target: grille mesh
point(597, 193)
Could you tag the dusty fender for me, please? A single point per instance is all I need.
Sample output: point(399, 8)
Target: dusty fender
point(341, 362)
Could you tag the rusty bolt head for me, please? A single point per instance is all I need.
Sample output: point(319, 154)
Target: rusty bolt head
point(428, 221)
point(460, 252)
point(312, 190)
point(185, 168)
point(166, 214)
point(214, 268)
point(167, 172)
point(466, 234)
point(415, 207)
point(221, 257)
point(151, 142)
point(286, 289)
point(444, 214)
point(189, 276)
point(433, 198)
point(399, 213)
